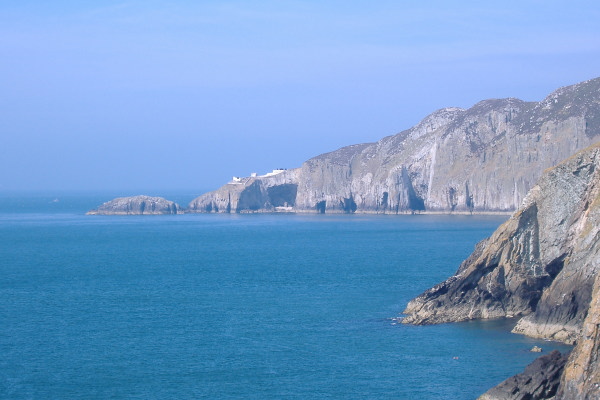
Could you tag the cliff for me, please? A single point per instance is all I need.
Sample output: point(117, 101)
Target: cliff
point(255, 194)
point(542, 266)
point(137, 205)
point(482, 159)
point(581, 378)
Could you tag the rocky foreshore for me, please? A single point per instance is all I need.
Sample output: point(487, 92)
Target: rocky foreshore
point(540, 266)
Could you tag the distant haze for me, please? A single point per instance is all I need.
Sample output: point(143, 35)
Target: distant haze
point(149, 94)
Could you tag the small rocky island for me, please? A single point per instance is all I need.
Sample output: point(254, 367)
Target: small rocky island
point(137, 205)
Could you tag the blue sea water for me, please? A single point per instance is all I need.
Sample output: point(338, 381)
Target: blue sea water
point(236, 306)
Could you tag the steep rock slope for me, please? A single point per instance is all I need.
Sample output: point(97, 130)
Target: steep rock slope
point(254, 194)
point(581, 378)
point(137, 205)
point(540, 264)
point(543, 265)
point(482, 159)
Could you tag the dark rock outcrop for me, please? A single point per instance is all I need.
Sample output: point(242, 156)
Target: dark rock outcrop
point(137, 205)
point(539, 381)
point(482, 159)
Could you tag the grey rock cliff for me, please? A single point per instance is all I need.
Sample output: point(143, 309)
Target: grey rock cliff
point(581, 378)
point(254, 194)
point(137, 205)
point(482, 159)
point(541, 265)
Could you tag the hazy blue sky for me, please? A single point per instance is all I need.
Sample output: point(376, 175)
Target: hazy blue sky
point(184, 94)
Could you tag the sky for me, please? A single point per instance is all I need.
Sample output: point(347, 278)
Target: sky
point(169, 95)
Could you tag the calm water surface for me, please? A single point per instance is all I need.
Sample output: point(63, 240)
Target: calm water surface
point(236, 306)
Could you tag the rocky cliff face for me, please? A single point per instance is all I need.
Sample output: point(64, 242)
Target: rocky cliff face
point(482, 159)
point(256, 194)
point(581, 378)
point(137, 205)
point(541, 265)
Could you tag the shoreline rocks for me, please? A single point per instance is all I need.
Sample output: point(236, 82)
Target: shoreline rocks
point(539, 380)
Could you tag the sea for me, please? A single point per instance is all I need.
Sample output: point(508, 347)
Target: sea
point(254, 306)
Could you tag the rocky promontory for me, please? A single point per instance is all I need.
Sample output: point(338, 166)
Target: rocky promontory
point(481, 159)
point(137, 205)
point(540, 266)
point(273, 192)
